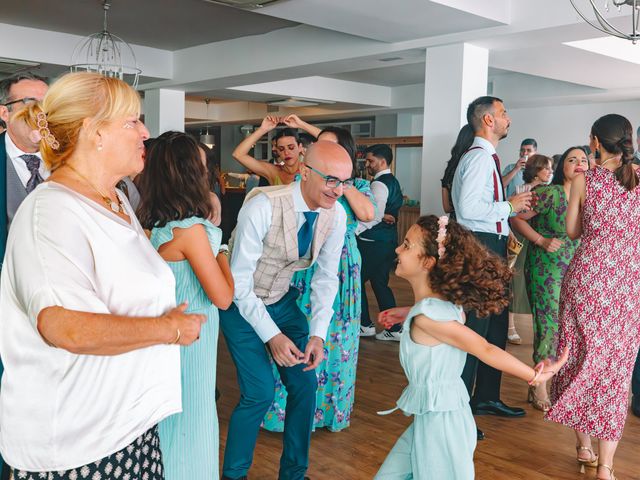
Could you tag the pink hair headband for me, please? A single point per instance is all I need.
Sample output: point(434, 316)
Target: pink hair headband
point(443, 221)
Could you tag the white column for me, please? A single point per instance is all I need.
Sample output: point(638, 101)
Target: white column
point(164, 110)
point(455, 76)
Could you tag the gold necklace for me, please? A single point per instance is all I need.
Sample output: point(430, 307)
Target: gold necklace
point(608, 160)
point(115, 206)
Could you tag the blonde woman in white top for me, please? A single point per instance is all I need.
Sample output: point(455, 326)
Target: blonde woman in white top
point(87, 305)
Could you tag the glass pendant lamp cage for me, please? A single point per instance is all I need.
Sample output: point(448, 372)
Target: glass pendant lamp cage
point(106, 54)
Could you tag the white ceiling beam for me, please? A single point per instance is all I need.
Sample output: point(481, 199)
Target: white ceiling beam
point(44, 46)
point(325, 89)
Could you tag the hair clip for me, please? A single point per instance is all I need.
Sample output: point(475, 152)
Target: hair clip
point(45, 133)
point(443, 221)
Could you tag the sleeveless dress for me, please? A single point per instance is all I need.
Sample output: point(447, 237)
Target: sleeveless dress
point(190, 440)
point(440, 442)
point(337, 373)
point(544, 271)
point(600, 312)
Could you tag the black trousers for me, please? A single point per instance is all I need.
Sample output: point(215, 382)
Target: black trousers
point(635, 379)
point(377, 261)
point(494, 329)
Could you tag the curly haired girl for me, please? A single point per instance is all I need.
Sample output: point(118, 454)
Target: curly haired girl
point(448, 270)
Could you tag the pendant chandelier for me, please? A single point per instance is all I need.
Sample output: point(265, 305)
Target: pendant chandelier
point(604, 25)
point(206, 138)
point(106, 54)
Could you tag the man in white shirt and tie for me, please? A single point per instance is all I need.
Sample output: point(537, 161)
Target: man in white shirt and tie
point(280, 230)
point(480, 205)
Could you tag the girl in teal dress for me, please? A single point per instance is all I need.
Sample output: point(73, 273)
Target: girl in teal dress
point(337, 373)
point(175, 205)
point(447, 269)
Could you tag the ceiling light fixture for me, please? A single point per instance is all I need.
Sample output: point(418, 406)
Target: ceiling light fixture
point(106, 54)
point(206, 138)
point(604, 25)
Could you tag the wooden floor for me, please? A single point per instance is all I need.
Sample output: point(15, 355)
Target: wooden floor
point(515, 449)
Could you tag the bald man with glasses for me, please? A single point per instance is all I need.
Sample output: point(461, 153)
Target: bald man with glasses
point(283, 229)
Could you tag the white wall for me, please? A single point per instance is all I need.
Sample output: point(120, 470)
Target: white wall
point(559, 127)
point(409, 159)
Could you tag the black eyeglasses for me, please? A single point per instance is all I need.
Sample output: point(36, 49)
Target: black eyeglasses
point(24, 101)
point(332, 182)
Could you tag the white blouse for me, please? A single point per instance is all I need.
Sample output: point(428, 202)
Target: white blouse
point(59, 410)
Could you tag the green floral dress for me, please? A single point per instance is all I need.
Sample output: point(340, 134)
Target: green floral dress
point(337, 373)
point(544, 271)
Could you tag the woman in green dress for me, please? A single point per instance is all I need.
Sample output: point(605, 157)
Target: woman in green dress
point(547, 259)
point(175, 206)
point(337, 373)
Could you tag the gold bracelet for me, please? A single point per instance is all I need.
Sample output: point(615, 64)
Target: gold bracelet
point(177, 337)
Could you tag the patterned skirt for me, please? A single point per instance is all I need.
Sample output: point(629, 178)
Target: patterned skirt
point(140, 460)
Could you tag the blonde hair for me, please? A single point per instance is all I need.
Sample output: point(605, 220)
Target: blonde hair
point(71, 100)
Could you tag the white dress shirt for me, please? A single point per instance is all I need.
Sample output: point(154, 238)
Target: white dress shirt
point(254, 221)
point(14, 153)
point(380, 194)
point(60, 410)
point(473, 191)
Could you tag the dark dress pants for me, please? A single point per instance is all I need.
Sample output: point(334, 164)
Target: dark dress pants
point(635, 379)
point(257, 387)
point(377, 261)
point(494, 329)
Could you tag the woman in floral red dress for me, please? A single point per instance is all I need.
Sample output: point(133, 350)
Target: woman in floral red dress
point(599, 307)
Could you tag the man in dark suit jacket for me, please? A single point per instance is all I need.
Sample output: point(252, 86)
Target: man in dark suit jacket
point(19, 154)
point(21, 168)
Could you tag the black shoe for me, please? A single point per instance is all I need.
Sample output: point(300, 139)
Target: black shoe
point(480, 434)
point(497, 407)
point(635, 405)
point(229, 478)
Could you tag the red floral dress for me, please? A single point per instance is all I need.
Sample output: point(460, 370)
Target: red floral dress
point(600, 312)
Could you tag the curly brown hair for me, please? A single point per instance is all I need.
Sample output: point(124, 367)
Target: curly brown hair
point(468, 274)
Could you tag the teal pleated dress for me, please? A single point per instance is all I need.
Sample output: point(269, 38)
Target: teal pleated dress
point(190, 440)
point(440, 442)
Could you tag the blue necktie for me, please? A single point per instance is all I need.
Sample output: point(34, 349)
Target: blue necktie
point(305, 234)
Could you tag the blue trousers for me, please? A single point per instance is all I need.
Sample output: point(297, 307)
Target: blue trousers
point(257, 387)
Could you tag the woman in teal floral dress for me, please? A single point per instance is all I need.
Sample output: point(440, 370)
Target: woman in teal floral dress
point(337, 373)
point(548, 256)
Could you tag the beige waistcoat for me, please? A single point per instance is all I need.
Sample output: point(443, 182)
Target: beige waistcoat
point(279, 259)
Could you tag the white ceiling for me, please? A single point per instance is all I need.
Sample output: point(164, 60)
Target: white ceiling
point(356, 53)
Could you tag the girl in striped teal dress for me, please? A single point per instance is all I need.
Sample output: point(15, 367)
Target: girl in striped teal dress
point(175, 205)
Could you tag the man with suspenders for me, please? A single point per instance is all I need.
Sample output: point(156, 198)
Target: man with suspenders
point(480, 205)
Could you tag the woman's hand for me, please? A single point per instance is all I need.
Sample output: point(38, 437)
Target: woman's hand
point(188, 324)
point(551, 368)
point(269, 123)
point(293, 121)
point(550, 244)
point(393, 316)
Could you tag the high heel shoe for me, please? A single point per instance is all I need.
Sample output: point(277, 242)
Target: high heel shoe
point(539, 404)
point(591, 462)
point(611, 473)
point(513, 337)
